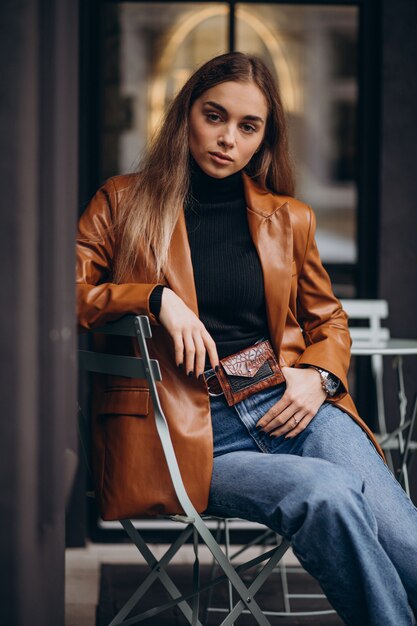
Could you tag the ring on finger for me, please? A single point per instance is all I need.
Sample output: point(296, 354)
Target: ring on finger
point(296, 421)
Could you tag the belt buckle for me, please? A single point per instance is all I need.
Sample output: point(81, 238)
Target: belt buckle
point(210, 393)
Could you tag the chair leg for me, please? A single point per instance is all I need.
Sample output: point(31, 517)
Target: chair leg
point(284, 586)
point(246, 594)
point(265, 538)
point(214, 565)
point(158, 572)
point(227, 551)
point(246, 602)
point(213, 568)
point(278, 553)
point(196, 581)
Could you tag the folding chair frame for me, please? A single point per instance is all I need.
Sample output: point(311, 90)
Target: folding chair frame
point(267, 537)
point(136, 367)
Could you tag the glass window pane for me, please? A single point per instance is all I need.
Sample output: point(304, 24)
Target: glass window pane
point(312, 52)
point(149, 49)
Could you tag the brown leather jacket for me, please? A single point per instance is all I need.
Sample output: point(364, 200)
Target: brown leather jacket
point(306, 324)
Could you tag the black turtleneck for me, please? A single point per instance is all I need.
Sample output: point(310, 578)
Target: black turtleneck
point(227, 272)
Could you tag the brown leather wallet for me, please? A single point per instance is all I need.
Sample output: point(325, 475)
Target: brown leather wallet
point(248, 371)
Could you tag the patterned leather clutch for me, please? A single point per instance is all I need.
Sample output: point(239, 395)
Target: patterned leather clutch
point(248, 371)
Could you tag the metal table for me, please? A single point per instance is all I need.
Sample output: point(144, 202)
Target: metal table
point(398, 348)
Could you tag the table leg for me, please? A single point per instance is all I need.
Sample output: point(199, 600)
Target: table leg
point(377, 371)
point(411, 423)
point(403, 411)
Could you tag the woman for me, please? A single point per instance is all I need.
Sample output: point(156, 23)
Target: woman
point(209, 242)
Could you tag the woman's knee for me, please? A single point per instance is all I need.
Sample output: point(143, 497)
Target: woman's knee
point(279, 490)
point(321, 493)
point(323, 480)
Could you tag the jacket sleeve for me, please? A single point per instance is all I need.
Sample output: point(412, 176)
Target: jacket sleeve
point(321, 316)
point(100, 301)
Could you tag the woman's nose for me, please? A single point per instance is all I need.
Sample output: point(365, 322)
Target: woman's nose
point(227, 138)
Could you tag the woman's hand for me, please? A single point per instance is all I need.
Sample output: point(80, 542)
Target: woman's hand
point(188, 333)
point(302, 399)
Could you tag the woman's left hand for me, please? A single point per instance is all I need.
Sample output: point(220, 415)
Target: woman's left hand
point(303, 397)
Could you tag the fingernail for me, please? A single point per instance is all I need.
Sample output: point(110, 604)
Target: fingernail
point(190, 374)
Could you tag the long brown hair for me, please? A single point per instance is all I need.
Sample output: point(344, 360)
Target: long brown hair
point(151, 206)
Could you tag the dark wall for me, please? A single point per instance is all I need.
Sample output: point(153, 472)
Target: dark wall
point(38, 165)
point(398, 189)
point(398, 243)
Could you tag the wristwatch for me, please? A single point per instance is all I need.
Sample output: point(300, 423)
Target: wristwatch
point(329, 382)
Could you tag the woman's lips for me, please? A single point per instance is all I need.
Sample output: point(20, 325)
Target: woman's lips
point(217, 156)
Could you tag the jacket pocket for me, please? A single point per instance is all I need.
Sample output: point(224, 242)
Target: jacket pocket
point(125, 402)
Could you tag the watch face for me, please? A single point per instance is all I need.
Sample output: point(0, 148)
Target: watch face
point(331, 385)
point(329, 382)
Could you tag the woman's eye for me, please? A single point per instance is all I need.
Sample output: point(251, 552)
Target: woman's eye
point(211, 115)
point(248, 128)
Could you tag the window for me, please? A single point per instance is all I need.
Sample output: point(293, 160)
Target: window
point(150, 48)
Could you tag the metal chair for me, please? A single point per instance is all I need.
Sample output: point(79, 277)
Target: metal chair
point(194, 523)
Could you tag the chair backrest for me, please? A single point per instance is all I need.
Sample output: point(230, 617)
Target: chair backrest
point(138, 326)
point(370, 312)
point(128, 366)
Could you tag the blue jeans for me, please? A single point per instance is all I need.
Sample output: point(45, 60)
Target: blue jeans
point(329, 492)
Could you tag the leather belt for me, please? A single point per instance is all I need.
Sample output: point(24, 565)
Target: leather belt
point(213, 385)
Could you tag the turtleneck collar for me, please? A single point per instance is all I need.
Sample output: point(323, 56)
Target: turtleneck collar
point(209, 190)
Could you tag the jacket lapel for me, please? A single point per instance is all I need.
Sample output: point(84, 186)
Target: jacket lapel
point(271, 232)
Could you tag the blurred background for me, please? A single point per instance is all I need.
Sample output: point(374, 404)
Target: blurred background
point(150, 49)
point(83, 87)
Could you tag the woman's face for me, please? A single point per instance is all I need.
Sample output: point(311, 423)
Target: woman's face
point(228, 119)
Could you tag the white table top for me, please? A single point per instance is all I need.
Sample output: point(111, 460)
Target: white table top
point(393, 347)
